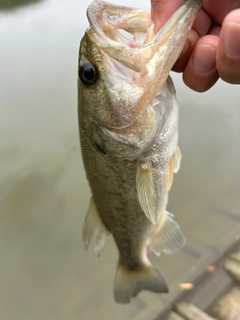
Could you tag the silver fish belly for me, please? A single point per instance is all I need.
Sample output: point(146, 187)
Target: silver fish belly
point(128, 123)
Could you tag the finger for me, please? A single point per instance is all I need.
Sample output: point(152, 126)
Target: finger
point(201, 26)
point(219, 9)
point(200, 73)
point(182, 61)
point(162, 10)
point(215, 30)
point(202, 23)
point(228, 52)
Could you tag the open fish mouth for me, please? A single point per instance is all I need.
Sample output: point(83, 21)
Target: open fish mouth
point(107, 21)
point(135, 68)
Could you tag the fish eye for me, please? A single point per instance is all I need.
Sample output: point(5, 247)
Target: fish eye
point(88, 73)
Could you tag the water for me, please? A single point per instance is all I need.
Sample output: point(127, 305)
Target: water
point(44, 271)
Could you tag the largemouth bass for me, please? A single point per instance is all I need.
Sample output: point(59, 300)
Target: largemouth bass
point(128, 122)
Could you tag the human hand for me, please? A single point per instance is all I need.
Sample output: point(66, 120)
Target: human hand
point(213, 46)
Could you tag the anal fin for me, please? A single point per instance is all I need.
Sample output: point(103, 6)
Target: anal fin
point(168, 238)
point(93, 224)
point(146, 192)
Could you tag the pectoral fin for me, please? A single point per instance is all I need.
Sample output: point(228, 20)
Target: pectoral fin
point(173, 167)
point(177, 160)
point(146, 192)
point(168, 237)
point(93, 224)
point(170, 173)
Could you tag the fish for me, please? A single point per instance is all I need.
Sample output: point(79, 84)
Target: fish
point(128, 125)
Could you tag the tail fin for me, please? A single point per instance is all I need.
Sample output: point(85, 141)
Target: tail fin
point(128, 283)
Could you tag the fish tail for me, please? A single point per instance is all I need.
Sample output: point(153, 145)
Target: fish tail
point(128, 283)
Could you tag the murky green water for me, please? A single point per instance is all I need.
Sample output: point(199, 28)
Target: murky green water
point(11, 4)
point(44, 271)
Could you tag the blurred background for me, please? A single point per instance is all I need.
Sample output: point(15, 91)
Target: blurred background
point(44, 271)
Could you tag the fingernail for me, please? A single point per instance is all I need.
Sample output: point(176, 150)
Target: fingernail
point(231, 39)
point(204, 58)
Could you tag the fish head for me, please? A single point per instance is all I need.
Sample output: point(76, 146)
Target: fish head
point(120, 76)
point(108, 89)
